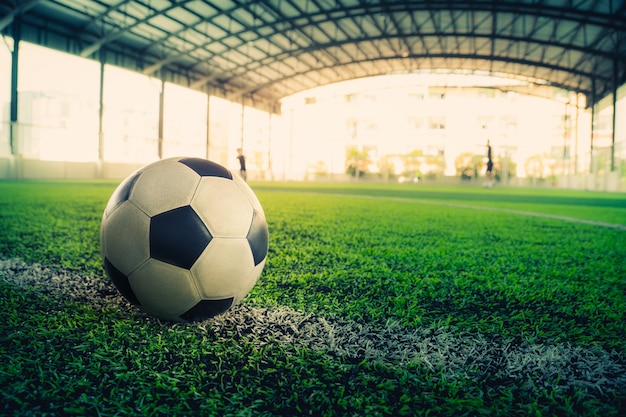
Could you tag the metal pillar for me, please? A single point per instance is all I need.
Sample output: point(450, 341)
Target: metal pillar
point(101, 116)
point(576, 133)
point(243, 119)
point(593, 122)
point(13, 117)
point(614, 121)
point(566, 141)
point(208, 125)
point(269, 141)
point(161, 121)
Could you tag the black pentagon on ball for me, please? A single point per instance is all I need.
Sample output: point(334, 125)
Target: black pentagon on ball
point(205, 309)
point(258, 237)
point(206, 168)
point(121, 282)
point(178, 237)
point(122, 192)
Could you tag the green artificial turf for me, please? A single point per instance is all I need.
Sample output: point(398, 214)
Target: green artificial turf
point(411, 259)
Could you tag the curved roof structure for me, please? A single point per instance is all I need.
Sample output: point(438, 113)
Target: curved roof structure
point(269, 49)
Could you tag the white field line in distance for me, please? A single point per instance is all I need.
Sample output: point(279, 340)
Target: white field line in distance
point(537, 214)
point(445, 353)
point(478, 207)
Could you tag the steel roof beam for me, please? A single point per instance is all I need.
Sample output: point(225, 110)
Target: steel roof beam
point(21, 8)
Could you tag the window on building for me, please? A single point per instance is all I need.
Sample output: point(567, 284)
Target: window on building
point(437, 122)
point(415, 122)
point(436, 93)
point(58, 105)
point(509, 123)
point(131, 116)
point(5, 96)
point(184, 122)
point(484, 122)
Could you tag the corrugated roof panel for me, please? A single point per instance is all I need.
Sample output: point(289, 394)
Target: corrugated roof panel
point(193, 36)
point(178, 44)
point(121, 19)
point(184, 16)
point(82, 6)
point(368, 27)
point(423, 22)
point(582, 36)
point(216, 48)
point(212, 31)
point(222, 65)
point(202, 9)
point(326, 32)
point(464, 45)
point(227, 23)
point(287, 41)
point(166, 24)
point(148, 32)
point(137, 10)
point(350, 27)
point(245, 17)
point(160, 4)
point(237, 57)
point(202, 55)
point(287, 9)
point(481, 23)
point(232, 41)
point(255, 53)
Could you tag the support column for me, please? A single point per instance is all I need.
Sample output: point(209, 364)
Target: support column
point(269, 141)
point(208, 125)
point(614, 121)
point(14, 134)
point(243, 119)
point(161, 121)
point(101, 118)
point(13, 111)
point(593, 123)
point(566, 143)
point(576, 127)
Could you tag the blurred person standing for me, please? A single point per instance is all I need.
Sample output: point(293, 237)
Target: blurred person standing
point(489, 172)
point(242, 164)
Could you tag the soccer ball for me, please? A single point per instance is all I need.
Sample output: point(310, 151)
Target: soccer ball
point(183, 239)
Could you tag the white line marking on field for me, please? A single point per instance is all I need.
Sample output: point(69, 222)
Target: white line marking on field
point(486, 208)
point(533, 214)
point(446, 353)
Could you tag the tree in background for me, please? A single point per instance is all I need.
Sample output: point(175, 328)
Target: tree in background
point(469, 165)
point(357, 161)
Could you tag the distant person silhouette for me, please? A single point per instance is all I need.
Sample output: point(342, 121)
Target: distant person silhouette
point(490, 180)
point(242, 164)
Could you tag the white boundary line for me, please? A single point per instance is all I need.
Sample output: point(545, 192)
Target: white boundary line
point(444, 352)
point(473, 207)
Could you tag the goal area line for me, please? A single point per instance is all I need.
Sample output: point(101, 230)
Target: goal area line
point(484, 208)
point(441, 351)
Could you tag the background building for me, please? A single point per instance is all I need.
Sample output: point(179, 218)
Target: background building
point(434, 126)
point(405, 127)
